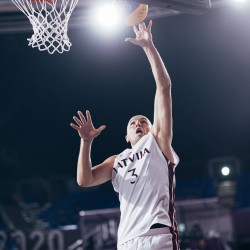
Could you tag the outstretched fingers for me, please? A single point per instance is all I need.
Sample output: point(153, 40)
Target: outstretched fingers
point(131, 40)
point(74, 126)
point(89, 119)
point(140, 30)
point(149, 26)
point(135, 29)
point(101, 128)
point(137, 32)
point(79, 122)
point(83, 120)
point(144, 26)
point(83, 125)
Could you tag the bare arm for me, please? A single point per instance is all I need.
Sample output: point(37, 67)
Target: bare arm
point(86, 174)
point(162, 126)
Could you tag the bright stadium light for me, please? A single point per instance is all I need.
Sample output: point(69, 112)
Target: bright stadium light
point(225, 171)
point(107, 16)
point(224, 168)
point(181, 227)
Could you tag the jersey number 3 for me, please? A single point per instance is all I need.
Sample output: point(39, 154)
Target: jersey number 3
point(133, 174)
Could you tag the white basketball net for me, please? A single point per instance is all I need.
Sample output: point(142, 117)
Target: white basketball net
point(49, 19)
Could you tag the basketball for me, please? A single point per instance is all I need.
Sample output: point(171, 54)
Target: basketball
point(134, 13)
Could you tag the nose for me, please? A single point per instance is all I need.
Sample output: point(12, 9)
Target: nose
point(138, 123)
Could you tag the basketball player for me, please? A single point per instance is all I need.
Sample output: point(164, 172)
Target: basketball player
point(143, 175)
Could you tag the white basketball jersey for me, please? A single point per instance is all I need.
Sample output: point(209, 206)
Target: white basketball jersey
point(145, 181)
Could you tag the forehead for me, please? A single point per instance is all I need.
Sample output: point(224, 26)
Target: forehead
point(139, 117)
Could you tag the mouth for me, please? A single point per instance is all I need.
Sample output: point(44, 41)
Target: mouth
point(138, 131)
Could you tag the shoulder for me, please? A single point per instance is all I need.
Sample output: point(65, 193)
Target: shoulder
point(166, 148)
point(110, 160)
point(124, 153)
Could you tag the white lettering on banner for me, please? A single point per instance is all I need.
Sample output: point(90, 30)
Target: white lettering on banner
point(40, 239)
point(55, 234)
point(20, 237)
point(55, 240)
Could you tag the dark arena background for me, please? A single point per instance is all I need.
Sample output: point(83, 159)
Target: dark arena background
point(207, 53)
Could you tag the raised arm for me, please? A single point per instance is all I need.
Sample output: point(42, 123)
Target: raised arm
point(162, 125)
point(86, 174)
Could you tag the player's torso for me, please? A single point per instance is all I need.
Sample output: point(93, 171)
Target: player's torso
point(134, 166)
point(141, 177)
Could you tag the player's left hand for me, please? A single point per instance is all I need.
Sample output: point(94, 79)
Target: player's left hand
point(85, 127)
point(143, 35)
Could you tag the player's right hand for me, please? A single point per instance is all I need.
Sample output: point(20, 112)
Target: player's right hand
point(143, 35)
point(85, 127)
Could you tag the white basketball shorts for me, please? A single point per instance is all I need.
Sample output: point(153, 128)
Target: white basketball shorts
point(154, 239)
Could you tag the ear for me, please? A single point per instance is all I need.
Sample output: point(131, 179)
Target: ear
point(127, 139)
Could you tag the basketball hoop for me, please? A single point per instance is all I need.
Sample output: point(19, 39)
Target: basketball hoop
point(49, 19)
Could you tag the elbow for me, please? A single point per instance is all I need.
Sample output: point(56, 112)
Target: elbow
point(167, 86)
point(83, 183)
point(80, 183)
point(164, 87)
point(84, 178)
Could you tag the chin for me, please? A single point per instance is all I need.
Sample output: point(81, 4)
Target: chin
point(138, 137)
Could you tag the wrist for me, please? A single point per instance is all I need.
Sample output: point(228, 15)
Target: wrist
point(149, 46)
point(86, 141)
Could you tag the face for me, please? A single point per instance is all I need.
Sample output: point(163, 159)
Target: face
point(138, 126)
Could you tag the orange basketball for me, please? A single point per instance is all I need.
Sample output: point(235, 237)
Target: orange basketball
point(135, 13)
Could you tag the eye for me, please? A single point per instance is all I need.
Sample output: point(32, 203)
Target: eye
point(132, 123)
